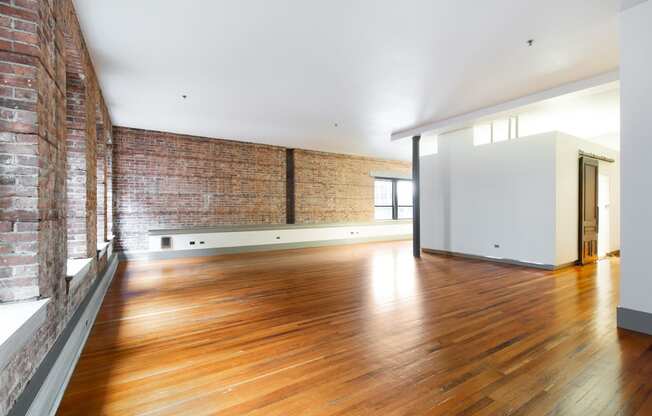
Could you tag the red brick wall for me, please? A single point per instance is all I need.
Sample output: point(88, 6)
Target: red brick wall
point(165, 180)
point(101, 192)
point(335, 188)
point(20, 74)
point(80, 147)
point(33, 170)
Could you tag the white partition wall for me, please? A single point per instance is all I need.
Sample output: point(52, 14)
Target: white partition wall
point(635, 310)
point(515, 200)
point(495, 201)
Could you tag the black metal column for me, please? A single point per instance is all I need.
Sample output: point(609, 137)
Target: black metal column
point(416, 199)
point(289, 187)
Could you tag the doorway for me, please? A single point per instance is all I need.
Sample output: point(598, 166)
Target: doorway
point(604, 236)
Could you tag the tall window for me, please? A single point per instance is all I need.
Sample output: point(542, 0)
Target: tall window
point(393, 199)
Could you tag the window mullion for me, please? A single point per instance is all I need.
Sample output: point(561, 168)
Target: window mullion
point(394, 199)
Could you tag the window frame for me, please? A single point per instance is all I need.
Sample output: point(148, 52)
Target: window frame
point(395, 206)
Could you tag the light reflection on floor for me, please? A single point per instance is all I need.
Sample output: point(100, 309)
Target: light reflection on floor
point(393, 277)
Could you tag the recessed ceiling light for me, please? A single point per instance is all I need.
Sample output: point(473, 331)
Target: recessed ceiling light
point(336, 124)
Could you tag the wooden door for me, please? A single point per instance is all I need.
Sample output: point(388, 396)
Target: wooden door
point(589, 214)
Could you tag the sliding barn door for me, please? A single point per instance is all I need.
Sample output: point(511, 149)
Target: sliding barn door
point(589, 214)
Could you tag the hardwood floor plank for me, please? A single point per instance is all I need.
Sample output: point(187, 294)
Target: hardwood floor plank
point(363, 329)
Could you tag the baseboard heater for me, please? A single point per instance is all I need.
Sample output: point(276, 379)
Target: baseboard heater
point(45, 390)
point(237, 239)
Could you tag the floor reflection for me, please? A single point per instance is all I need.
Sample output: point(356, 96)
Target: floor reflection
point(393, 277)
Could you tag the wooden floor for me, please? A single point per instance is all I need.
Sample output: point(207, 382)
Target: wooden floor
point(360, 330)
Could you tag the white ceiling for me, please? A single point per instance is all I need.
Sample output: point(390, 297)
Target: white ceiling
point(285, 72)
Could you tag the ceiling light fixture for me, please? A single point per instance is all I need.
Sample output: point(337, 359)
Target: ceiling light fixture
point(530, 42)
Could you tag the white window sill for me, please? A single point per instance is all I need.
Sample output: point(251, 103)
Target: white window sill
point(101, 248)
point(18, 322)
point(76, 270)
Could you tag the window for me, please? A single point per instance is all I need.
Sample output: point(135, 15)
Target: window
point(482, 134)
point(393, 199)
point(497, 131)
point(513, 127)
point(501, 130)
point(404, 200)
point(384, 199)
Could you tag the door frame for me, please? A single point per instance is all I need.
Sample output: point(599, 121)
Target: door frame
point(585, 159)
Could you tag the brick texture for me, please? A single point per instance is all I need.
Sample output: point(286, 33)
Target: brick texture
point(335, 188)
point(36, 140)
point(21, 72)
point(101, 177)
point(165, 180)
point(78, 141)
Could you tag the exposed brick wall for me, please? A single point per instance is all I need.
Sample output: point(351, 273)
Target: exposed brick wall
point(336, 188)
point(77, 145)
point(100, 164)
point(105, 135)
point(33, 170)
point(20, 69)
point(109, 188)
point(165, 180)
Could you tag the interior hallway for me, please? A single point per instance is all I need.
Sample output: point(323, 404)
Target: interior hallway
point(359, 330)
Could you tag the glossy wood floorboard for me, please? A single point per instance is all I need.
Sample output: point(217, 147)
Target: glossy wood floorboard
point(360, 330)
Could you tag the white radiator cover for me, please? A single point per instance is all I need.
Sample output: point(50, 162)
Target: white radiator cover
point(269, 237)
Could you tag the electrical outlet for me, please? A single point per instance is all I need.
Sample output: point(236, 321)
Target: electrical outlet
point(496, 245)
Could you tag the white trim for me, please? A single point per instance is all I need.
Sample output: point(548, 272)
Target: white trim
point(390, 175)
point(460, 121)
point(18, 322)
point(51, 392)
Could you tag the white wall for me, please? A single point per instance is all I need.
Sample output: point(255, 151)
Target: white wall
point(520, 194)
point(567, 211)
point(636, 154)
point(474, 197)
point(435, 198)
